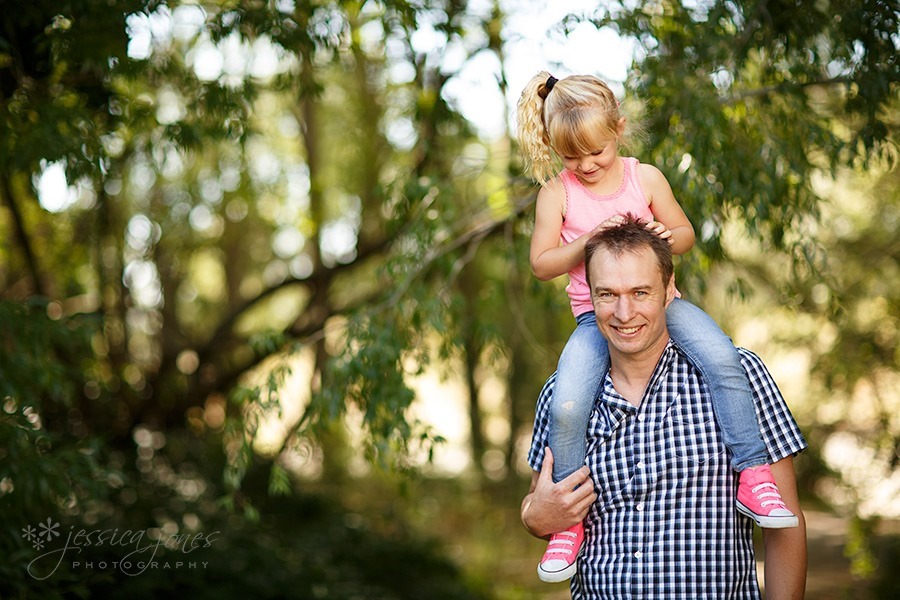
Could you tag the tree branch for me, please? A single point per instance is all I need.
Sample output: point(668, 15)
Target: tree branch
point(474, 236)
point(323, 276)
point(315, 332)
point(782, 87)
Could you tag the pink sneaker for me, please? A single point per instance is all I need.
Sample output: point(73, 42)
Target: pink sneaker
point(759, 499)
point(559, 561)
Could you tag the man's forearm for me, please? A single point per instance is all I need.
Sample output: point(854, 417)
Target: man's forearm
point(785, 570)
point(785, 573)
point(526, 504)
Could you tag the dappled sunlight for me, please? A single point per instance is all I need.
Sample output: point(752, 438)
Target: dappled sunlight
point(866, 483)
point(441, 403)
point(292, 398)
point(789, 366)
point(54, 192)
point(869, 485)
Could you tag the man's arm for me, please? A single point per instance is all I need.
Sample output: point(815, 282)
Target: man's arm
point(553, 507)
point(785, 560)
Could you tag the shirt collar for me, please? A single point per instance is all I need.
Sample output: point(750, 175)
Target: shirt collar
point(618, 404)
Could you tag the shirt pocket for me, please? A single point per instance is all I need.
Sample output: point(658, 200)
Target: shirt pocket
point(691, 433)
point(608, 458)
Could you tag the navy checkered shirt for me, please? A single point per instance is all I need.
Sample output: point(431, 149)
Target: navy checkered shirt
point(664, 524)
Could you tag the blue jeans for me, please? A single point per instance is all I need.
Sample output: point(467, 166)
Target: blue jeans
point(585, 360)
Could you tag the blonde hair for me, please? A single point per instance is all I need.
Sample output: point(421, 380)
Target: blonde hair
point(573, 116)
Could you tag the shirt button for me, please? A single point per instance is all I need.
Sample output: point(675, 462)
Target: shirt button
point(640, 417)
point(638, 554)
point(640, 465)
point(640, 506)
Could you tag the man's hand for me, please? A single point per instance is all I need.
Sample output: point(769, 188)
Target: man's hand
point(552, 507)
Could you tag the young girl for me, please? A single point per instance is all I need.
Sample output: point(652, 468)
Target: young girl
point(579, 119)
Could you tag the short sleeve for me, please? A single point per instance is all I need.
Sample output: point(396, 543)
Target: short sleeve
point(779, 430)
point(539, 437)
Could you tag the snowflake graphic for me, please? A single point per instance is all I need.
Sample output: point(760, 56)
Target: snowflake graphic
point(29, 533)
point(48, 529)
point(38, 544)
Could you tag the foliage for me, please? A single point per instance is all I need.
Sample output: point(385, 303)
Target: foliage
point(216, 242)
point(304, 547)
point(49, 462)
point(307, 547)
point(848, 326)
point(55, 63)
point(330, 554)
point(843, 331)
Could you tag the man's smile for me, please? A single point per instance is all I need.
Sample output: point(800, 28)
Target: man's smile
point(627, 330)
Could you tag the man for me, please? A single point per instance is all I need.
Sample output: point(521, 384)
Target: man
point(657, 492)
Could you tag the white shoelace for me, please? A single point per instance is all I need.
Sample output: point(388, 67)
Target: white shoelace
point(771, 491)
point(557, 541)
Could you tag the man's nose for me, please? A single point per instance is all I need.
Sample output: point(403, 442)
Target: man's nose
point(624, 308)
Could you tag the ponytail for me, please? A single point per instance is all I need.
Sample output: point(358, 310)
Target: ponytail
point(534, 141)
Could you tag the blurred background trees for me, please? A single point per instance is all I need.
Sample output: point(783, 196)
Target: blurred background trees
point(257, 247)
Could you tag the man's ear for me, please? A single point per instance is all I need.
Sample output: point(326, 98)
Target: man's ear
point(670, 290)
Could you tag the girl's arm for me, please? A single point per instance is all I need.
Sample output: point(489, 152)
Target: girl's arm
point(666, 209)
point(548, 258)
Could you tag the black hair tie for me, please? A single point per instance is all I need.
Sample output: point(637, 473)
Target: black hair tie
point(548, 85)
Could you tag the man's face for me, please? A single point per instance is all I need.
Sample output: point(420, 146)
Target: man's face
point(630, 300)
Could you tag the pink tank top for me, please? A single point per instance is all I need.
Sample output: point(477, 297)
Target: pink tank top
point(585, 210)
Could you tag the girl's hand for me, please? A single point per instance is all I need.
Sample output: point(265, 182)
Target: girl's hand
point(661, 230)
point(610, 222)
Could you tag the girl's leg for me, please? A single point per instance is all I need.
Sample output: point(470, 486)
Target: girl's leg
point(582, 366)
point(714, 355)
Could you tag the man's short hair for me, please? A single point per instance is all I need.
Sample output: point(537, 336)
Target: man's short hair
point(629, 236)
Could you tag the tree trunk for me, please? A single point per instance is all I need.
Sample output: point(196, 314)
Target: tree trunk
point(318, 310)
point(20, 235)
